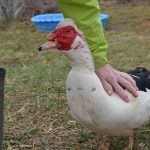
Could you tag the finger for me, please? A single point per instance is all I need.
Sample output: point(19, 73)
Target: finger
point(127, 84)
point(107, 87)
point(129, 78)
point(119, 90)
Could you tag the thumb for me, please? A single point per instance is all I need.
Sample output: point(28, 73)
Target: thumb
point(107, 87)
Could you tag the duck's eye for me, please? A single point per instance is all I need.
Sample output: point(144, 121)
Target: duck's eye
point(69, 31)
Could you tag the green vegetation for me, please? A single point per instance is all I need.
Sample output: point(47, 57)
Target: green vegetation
point(36, 110)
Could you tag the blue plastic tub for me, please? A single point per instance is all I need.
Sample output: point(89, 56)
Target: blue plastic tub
point(48, 22)
point(104, 18)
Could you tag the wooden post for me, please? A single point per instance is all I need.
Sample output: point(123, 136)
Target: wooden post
point(2, 79)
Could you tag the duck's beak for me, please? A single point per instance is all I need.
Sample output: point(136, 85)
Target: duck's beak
point(51, 44)
point(47, 46)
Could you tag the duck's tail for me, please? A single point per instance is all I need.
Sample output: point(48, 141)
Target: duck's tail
point(142, 77)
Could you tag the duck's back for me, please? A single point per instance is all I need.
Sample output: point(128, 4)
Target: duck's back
point(91, 105)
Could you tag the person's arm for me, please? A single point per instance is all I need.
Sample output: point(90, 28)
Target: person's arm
point(86, 15)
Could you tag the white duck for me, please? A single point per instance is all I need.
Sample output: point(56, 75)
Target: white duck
point(88, 101)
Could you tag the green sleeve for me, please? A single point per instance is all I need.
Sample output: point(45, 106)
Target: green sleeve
point(86, 15)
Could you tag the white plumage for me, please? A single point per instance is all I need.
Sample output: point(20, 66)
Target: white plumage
point(91, 105)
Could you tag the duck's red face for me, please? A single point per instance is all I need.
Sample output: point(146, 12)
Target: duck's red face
point(62, 38)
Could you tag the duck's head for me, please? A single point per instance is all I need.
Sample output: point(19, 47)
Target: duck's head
point(65, 37)
point(69, 40)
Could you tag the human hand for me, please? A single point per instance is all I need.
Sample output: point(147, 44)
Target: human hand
point(114, 80)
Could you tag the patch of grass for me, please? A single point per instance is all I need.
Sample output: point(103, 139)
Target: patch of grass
point(36, 109)
point(131, 17)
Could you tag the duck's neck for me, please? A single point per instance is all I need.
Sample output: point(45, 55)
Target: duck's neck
point(83, 60)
